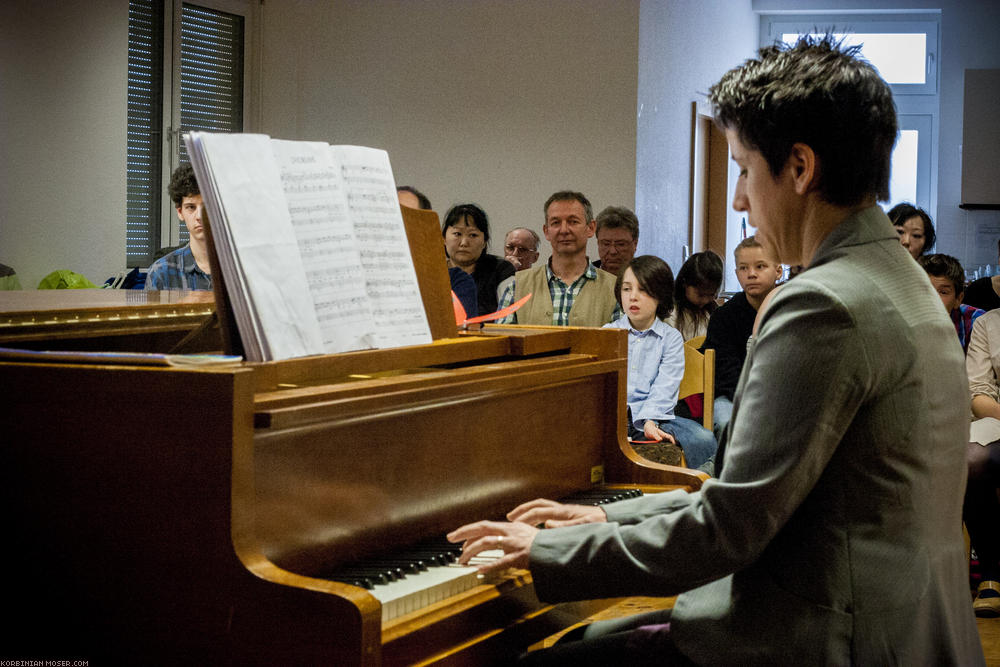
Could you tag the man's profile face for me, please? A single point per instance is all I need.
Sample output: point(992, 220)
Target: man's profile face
point(946, 290)
point(756, 273)
point(189, 212)
point(616, 248)
point(521, 245)
point(567, 228)
point(770, 202)
point(408, 199)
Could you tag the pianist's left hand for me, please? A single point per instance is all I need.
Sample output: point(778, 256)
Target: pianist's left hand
point(513, 538)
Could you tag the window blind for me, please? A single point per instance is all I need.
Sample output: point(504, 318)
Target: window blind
point(145, 123)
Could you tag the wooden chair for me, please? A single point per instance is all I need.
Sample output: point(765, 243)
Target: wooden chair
point(699, 376)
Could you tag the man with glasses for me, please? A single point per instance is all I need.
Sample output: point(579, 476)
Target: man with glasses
point(617, 238)
point(520, 247)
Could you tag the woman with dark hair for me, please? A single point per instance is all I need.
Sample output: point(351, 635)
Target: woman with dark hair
point(656, 360)
point(915, 229)
point(697, 287)
point(466, 233)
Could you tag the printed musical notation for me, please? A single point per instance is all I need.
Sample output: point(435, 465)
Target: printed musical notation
point(312, 245)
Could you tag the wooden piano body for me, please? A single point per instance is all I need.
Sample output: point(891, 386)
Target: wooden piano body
point(182, 516)
point(157, 515)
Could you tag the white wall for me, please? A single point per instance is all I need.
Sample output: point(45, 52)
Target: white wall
point(63, 74)
point(684, 47)
point(499, 103)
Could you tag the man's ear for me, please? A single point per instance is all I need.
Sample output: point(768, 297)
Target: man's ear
point(591, 228)
point(804, 163)
point(179, 216)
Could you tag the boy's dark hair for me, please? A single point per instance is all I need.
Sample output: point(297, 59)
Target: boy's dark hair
point(655, 278)
point(422, 199)
point(944, 266)
point(475, 215)
point(900, 213)
point(819, 93)
point(182, 184)
point(569, 195)
point(702, 270)
point(619, 217)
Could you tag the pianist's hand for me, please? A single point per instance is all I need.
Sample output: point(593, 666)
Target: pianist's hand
point(514, 539)
point(553, 515)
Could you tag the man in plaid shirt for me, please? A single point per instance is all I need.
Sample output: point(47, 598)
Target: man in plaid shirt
point(567, 290)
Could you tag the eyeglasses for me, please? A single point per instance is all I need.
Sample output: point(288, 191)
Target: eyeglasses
point(517, 250)
point(620, 246)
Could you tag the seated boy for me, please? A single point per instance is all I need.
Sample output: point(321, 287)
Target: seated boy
point(731, 324)
point(948, 278)
point(187, 267)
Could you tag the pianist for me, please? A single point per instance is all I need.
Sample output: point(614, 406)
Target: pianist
point(833, 533)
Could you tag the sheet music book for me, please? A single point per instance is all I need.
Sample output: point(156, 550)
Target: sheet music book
point(311, 243)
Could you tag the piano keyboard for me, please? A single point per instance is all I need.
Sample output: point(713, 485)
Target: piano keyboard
point(429, 572)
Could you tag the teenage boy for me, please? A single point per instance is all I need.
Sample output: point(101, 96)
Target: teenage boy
point(187, 267)
point(948, 278)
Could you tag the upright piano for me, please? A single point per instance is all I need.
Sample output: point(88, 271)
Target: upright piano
point(164, 515)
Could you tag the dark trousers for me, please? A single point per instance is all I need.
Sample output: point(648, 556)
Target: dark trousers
point(622, 641)
point(982, 509)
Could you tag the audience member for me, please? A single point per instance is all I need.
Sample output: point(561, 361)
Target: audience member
point(914, 226)
point(732, 323)
point(948, 278)
point(410, 197)
point(520, 247)
point(982, 509)
point(697, 288)
point(568, 289)
point(466, 233)
point(832, 535)
point(462, 284)
point(617, 238)
point(186, 267)
point(984, 293)
point(656, 360)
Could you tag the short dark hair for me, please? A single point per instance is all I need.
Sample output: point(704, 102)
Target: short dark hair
point(569, 195)
point(475, 215)
point(900, 213)
point(618, 217)
point(944, 266)
point(182, 184)
point(422, 199)
point(655, 278)
point(817, 92)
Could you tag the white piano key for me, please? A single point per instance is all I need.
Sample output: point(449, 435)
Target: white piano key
point(421, 589)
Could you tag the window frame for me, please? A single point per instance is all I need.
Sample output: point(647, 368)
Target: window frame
point(917, 105)
point(170, 226)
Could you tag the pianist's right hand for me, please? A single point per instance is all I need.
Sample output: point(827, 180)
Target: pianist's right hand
point(551, 514)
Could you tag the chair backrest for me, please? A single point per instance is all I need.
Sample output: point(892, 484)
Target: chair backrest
point(699, 378)
point(695, 342)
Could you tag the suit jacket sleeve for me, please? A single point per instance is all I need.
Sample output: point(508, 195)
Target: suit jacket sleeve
point(808, 354)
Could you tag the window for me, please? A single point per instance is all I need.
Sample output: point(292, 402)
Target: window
point(194, 79)
point(904, 48)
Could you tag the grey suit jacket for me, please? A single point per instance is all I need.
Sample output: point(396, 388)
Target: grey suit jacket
point(833, 535)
